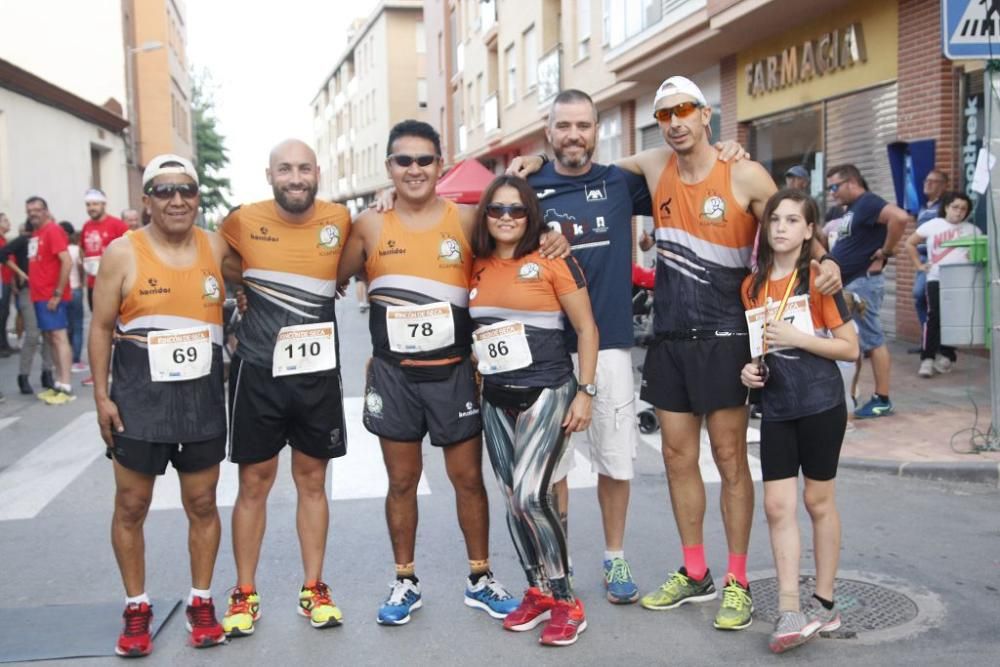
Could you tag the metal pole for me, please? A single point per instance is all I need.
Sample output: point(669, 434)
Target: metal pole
point(992, 88)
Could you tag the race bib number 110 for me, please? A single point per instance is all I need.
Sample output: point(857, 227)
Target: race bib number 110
point(304, 348)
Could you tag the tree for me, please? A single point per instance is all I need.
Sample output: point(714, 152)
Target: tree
point(210, 149)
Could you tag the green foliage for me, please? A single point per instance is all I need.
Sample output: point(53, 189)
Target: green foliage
point(210, 149)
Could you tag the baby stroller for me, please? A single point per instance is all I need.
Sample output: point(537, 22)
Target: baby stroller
point(642, 330)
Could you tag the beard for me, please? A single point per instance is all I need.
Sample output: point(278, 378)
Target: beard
point(574, 163)
point(296, 207)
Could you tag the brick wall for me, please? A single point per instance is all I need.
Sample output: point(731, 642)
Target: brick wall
point(928, 108)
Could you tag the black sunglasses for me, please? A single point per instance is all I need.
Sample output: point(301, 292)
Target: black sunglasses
point(404, 161)
point(515, 211)
point(166, 191)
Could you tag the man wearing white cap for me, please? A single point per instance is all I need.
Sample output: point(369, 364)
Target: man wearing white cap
point(159, 294)
point(707, 214)
point(98, 232)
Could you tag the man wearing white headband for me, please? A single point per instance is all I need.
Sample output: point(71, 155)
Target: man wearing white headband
point(707, 214)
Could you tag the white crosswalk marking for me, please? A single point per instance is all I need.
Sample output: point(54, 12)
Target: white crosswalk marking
point(360, 474)
point(7, 421)
point(42, 474)
point(709, 473)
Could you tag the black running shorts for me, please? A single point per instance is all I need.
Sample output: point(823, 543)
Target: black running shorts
point(151, 458)
point(695, 376)
point(265, 412)
point(811, 443)
point(398, 408)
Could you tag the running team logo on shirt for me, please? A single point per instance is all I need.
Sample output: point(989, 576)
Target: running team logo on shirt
point(596, 192)
point(153, 288)
point(329, 237)
point(450, 250)
point(473, 293)
point(713, 209)
point(845, 225)
point(529, 271)
point(33, 248)
point(264, 235)
point(93, 243)
point(373, 403)
point(211, 292)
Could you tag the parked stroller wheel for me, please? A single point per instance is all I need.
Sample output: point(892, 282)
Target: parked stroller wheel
point(647, 421)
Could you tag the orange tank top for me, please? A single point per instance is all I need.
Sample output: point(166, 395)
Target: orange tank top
point(165, 297)
point(704, 238)
point(412, 268)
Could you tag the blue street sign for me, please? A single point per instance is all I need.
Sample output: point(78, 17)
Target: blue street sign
point(970, 29)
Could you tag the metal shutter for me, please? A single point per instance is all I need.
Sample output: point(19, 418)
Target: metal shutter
point(858, 127)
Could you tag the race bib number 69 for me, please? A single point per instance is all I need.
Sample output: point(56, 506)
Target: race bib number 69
point(179, 354)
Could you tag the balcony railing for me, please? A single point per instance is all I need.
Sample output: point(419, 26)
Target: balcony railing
point(491, 114)
point(549, 74)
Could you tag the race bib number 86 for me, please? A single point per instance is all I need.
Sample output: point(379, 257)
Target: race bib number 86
point(501, 347)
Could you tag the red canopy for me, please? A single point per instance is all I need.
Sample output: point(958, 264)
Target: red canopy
point(465, 182)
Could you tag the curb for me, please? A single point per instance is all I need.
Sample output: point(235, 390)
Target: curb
point(950, 471)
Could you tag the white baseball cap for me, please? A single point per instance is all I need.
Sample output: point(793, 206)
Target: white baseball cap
point(680, 85)
point(95, 195)
point(168, 164)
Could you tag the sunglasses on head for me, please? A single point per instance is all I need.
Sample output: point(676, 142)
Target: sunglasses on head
point(404, 161)
point(166, 191)
point(682, 110)
point(515, 211)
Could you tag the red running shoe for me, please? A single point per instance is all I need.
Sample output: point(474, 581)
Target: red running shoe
point(566, 624)
point(205, 630)
point(535, 607)
point(135, 639)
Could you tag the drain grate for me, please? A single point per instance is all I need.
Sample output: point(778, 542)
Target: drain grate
point(864, 606)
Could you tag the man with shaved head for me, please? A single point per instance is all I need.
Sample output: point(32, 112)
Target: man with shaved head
point(284, 382)
point(132, 219)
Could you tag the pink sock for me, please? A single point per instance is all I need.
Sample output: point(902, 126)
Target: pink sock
point(694, 561)
point(738, 568)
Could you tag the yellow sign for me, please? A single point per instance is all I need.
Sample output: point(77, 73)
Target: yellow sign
point(819, 60)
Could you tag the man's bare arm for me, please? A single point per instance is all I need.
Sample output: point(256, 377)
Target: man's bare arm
point(352, 257)
point(108, 289)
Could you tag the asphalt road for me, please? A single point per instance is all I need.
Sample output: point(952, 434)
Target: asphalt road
point(936, 543)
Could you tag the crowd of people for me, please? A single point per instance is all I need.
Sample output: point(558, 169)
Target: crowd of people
point(507, 325)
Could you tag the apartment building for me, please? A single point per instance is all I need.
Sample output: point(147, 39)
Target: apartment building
point(379, 80)
point(814, 83)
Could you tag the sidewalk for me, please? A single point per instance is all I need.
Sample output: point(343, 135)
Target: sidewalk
point(928, 435)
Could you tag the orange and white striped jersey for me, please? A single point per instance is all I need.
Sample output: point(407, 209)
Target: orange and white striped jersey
point(703, 243)
point(289, 270)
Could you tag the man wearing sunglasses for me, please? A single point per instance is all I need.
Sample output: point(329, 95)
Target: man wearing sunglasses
point(420, 380)
point(284, 379)
point(868, 235)
point(158, 298)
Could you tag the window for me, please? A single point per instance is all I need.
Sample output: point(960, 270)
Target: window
point(609, 137)
point(530, 59)
point(605, 22)
point(471, 101)
point(422, 93)
point(508, 56)
point(480, 98)
point(95, 167)
point(582, 29)
point(421, 38)
point(625, 18)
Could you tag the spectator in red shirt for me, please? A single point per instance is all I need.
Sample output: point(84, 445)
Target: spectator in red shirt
point(49, 265)
point(97, 234)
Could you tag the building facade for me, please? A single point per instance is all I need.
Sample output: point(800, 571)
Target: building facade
point(56, 145)
point(379, 80)
point(817, 83)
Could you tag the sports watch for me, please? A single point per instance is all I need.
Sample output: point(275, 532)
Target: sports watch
point(588, 389)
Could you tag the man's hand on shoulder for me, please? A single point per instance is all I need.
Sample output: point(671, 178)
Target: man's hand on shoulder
point(731, 150)
point(524, 165)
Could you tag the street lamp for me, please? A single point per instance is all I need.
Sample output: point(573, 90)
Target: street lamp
point(145, 47)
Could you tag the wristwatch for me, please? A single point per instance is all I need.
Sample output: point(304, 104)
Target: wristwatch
point(588, 389)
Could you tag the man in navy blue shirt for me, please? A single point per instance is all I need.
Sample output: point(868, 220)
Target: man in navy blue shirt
point(872, 227)
point(935, 185)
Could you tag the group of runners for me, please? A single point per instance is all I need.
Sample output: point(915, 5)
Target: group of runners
point(470, 343)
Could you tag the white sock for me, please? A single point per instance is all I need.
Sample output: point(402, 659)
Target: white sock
point(197, 592)
point(67, 388)
point(138, 599)
point(611, 555)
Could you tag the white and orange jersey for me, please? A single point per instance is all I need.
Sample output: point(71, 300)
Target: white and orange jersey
point(289, 270)
point(527, 290)
point(413, 268)
point(704, 239)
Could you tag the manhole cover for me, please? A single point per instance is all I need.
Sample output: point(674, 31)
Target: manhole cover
point(864, 607)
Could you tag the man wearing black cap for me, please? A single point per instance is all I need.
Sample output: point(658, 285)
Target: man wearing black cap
point(797, 178)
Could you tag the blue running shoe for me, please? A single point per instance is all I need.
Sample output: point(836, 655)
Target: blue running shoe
point(875, 407)
point(404, 597)
point(490, 596)
point(618, 580)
